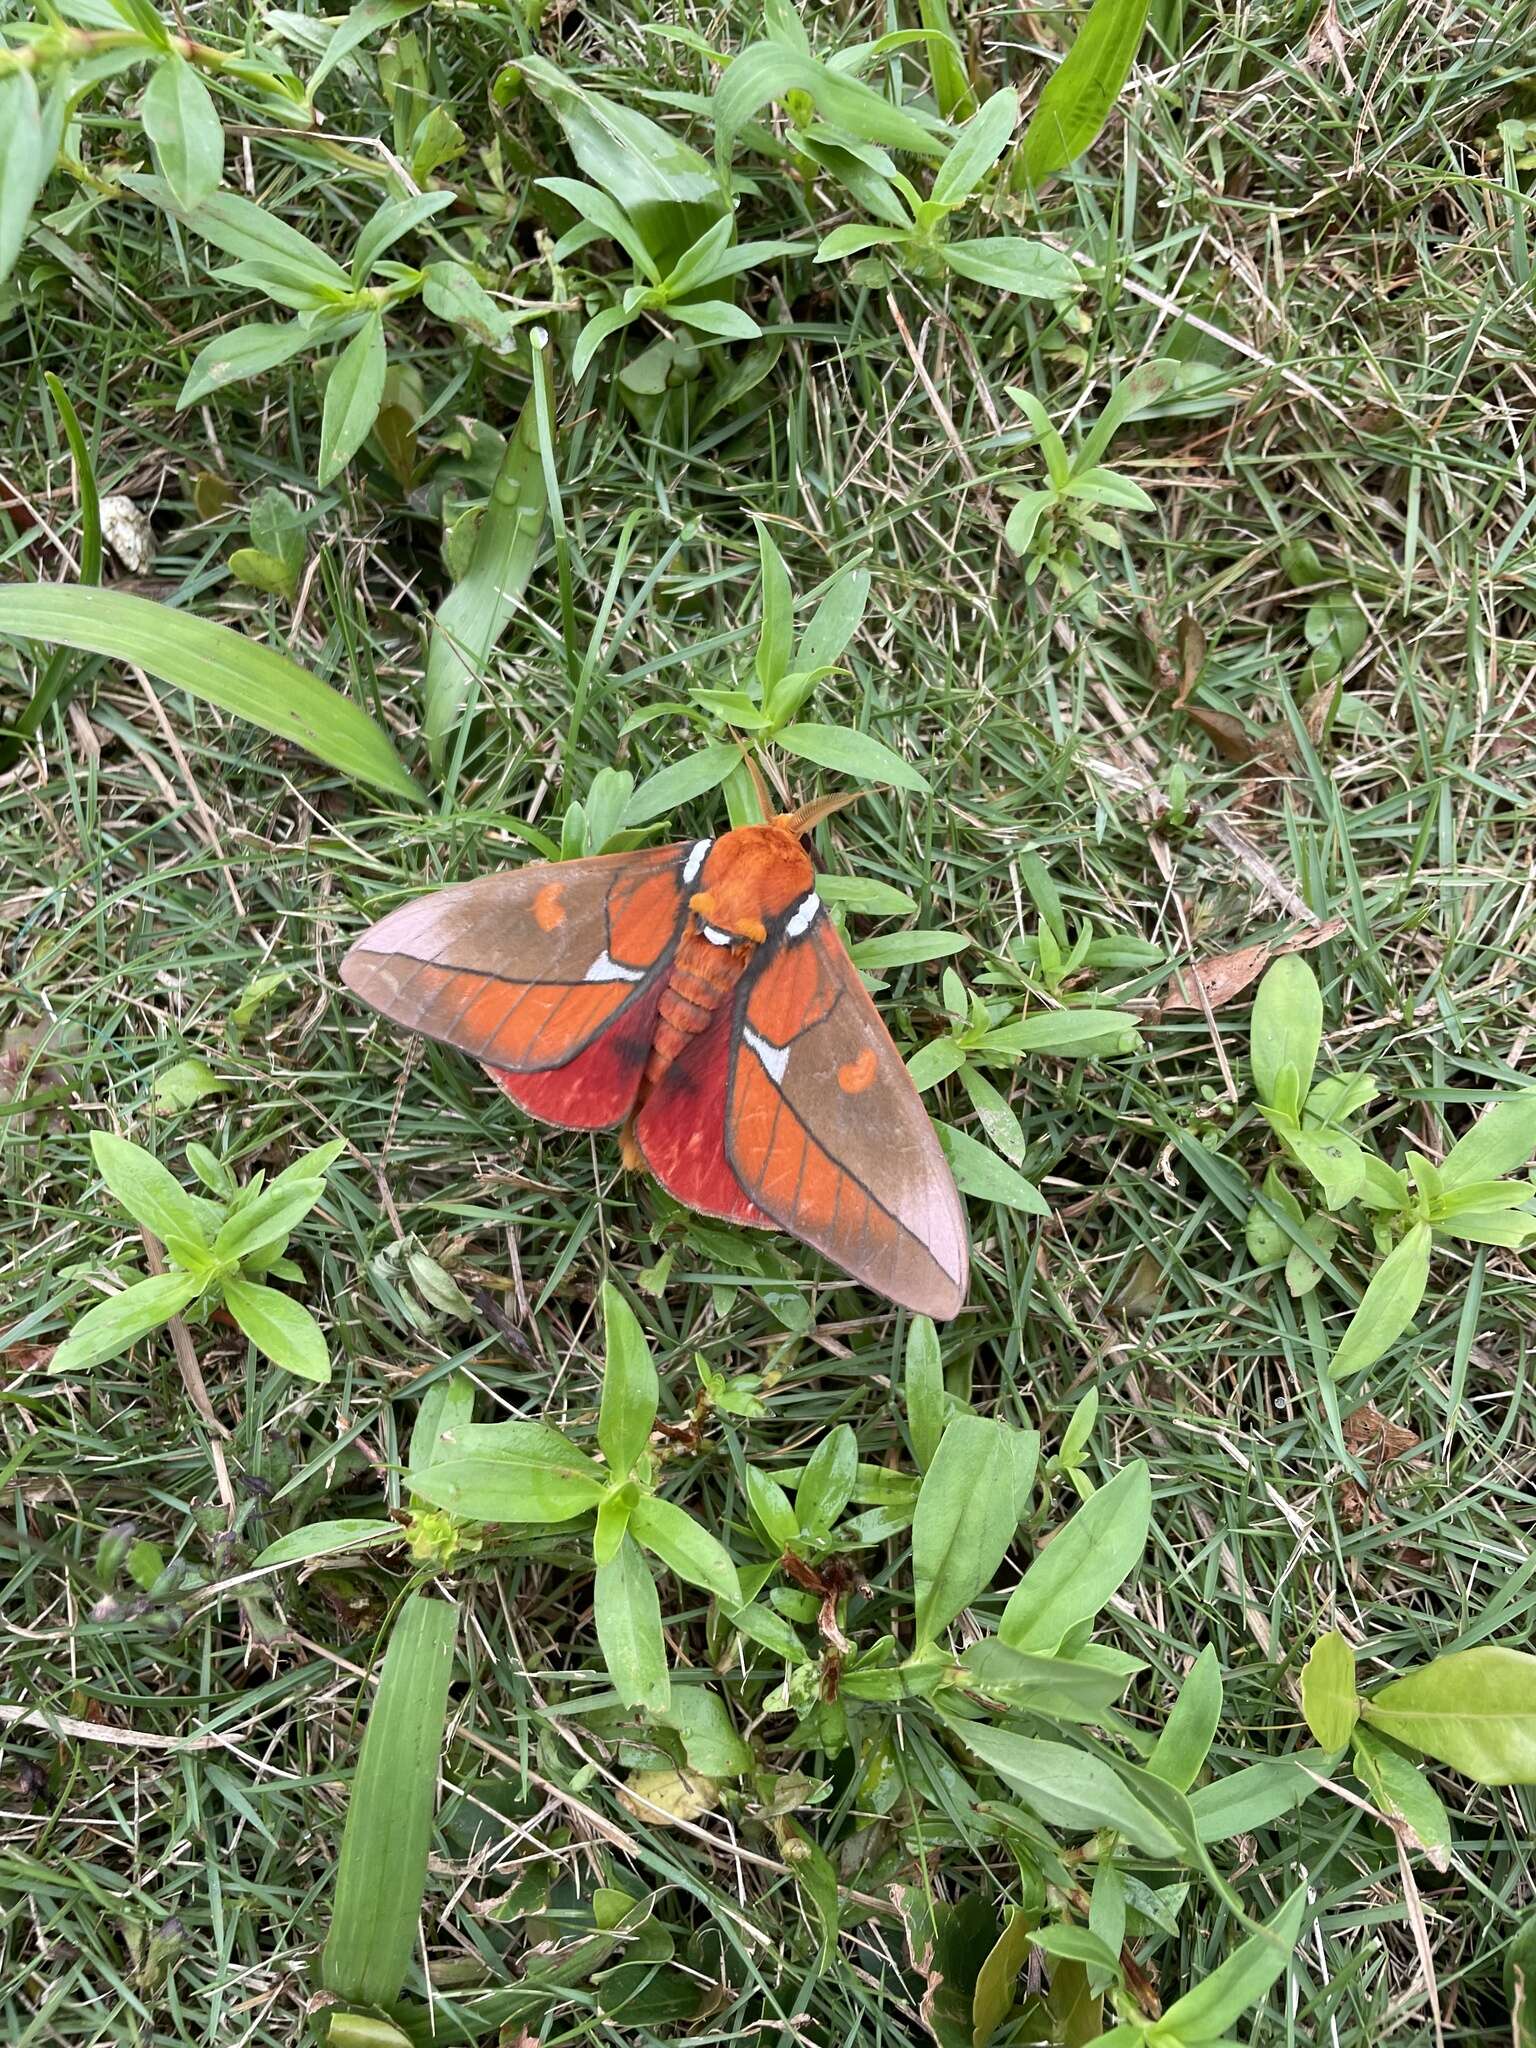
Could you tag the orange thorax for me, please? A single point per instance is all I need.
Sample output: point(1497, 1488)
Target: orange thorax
point(750, 878)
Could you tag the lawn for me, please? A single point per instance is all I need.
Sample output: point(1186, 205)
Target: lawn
point(1161, 570)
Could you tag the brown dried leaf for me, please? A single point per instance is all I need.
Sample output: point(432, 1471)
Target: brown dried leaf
point(1368, 1432)
point(1226, 975)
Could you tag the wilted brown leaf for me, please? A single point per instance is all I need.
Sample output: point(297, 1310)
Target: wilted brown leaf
point(1376, 1438)
point(1226, 975)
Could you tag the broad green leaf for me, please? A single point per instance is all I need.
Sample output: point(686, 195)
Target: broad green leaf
point(627, 1615)
point(29, 140)
point(609, 218)
point(153, 1196)
point(1328, 1699)
point(963, 1524)
point(686, 1547)
point(1068, 1034)
point(245, 352)
point(244, 230)
point(1267, 1240)
point(324, 1539)
point(1253, 1797)
point(281, 1328)
point(354, 392)
point(1013, 263)
point(692, 777)
point(1397, 1788)
point(511, 1472)
point(710, 1742)
point(835, 620)
point(1387, 1307)
point(718, 318)
point(102, 1332)
point(854, 238)
point(905, 949)
point(474, 614)
point(629, 1386)
point(978, 1171)
point(383, 1868)
point(850, 753)
point(1075, 1575)
point(763, 1624)
point(827, 1483)
point(1056, 1686)
point(1081, 90)
point(613, 1513)
point(1473, 1709)
point(1067, 1787)
point(924, 1389)
point(772, 1507)
point(214, 663)
point(976, 149)
point(1206, 2013)
point(1499, 1143)
point(1287, 1026)
point(865, 896)
point(1335, 1162)
point(1184, 1742)
point(185, 131)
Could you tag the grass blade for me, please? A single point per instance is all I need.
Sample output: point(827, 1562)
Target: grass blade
point(215, 664)
point(383, 1867)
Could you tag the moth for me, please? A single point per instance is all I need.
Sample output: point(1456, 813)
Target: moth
point(699, 996)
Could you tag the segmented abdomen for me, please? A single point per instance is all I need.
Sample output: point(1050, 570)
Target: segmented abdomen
point(702, 976)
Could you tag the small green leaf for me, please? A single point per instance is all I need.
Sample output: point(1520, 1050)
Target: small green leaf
point(775, 638)
point(993, 1999)
point(827, 1483)
point(718, 318)
point(281, 1328)
point(1388, 1305)
point(247, 352)
point(979, 1172)
point(183, 1085)
point(1185, 1740)
point(772, 1507)
point(1474, 1710)
point(835, 620)
point(976, 149)
point(1068, 1034)
point(1499, 1143)
point(456, 295)
point(1013, 263)
point(185, 131)
point(1076, 1574)
point(324, 1539)
point(924, 1388)
point(629, 1386)
point(850, 753)
point(110, 1327)
point(686, 1547)
point(1328, 1692)
point(685, 780)
point(1397, 1788)
point(214, 663)
point(1286, 1029)
point(1068, 1787)
point(1251, 1798)
point(382, 1872)
point(1206, 2014)
point(511, 1472)
point(354, 392)
point(963, 1524)
point(152, 1196)
point(270, 1217)
point(627, 1614)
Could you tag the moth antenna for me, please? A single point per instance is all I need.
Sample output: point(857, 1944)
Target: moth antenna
point(810, 815)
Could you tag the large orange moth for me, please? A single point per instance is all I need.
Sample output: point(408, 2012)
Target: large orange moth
point(700, 996)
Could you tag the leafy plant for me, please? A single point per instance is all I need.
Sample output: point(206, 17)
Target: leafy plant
point(913, 228)
point(224, 1249)
point(1405, 1209)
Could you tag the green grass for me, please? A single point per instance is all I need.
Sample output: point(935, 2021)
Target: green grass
point(1335, 214)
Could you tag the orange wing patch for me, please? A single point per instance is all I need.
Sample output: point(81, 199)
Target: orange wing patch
point(642, 917)
point(856, 1075)
point(548, 908)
